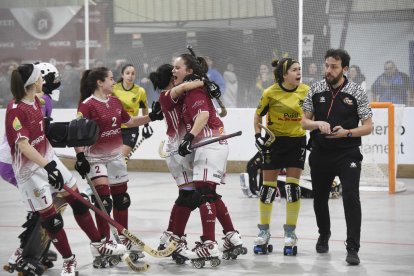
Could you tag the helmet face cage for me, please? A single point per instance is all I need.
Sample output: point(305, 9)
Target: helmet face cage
point(47, 68)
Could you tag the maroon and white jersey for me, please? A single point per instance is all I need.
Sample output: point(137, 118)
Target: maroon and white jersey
point(25, 120)
point(172, 110)
point(109, 115)
point(198, 101)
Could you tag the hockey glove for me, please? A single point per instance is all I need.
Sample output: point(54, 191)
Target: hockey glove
point(212, 88)
point(54, 176)
point(184, 147)
point(156, 112)
point(261, 142)
point(147, 131)
point(82, 165)
point(191, 77)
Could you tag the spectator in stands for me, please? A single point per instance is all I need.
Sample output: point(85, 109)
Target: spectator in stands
point(355, 75)
point(392, 85)
point(214, 75)
point(230, 95)
point(312, 75)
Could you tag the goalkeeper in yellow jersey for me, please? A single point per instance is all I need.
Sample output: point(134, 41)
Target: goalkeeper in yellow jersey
point(281, 103)
point(133, 97)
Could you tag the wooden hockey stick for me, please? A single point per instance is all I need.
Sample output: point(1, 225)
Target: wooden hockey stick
point(172, 246)
point(164, 154)
point(125, 258)
point(272, 137)
point(135, 148)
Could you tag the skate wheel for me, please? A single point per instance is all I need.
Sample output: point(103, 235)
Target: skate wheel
point(134, 257)
point(114, 260)
point(199, 264)
point(244, 251)
point(270, 248)
point(290, 251)
point(8, 268)
point(233, 257)
point(179, 260)
point(226, 256)
point(215, 262)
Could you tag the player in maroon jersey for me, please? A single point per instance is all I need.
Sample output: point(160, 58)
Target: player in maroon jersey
point(40, 172)
point(103, 162)
point(180, 167)
point(201, 122)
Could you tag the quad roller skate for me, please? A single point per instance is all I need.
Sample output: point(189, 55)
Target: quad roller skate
point(135, 252)
point(164, 240)
point(69, 267)
point(203, 251)
point(107, 253)
point(290, 248)
point(27, 266)
point(261, 242)
point(232, 246)
point(179, 255)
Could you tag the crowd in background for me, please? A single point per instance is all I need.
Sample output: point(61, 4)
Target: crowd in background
point(242, 92)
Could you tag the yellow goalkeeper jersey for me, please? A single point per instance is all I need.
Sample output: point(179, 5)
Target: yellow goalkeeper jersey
point(132, 100)
point(284, 109)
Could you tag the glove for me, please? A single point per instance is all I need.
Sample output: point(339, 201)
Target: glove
point(156, 112)
point(82, 165)
point(191, 77)
point(212, 88)
point(53, 175)
point(184, 147)
point(261, 141)
point(147, 131)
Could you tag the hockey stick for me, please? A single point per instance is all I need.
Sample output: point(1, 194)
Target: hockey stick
point(164, 154)
point(223, 111)
point(135, 148)
point(272, 137)
point(126, 257)
point(172, 246)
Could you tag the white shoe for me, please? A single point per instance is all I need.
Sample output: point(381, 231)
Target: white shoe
point(205, 250)
point(231, 240)
point(290, 236)
point(17, 255)
point(132, 247)
point(164, 240)
point(69, 266)
point(264, 235)
point(107, 248)
point(181, 244)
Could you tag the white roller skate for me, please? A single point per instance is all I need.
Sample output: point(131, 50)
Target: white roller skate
point(232, 246)
point(107, 253)
point(135, 252)
point(207, 250)
point(180, 254)
point(164, 240)
point(261, 242)
point(14, 260)
point(69, 267)
point(291, 240)
point(244, 184)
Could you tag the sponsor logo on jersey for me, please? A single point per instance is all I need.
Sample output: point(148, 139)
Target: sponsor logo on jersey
point(353, 165)
point(348, 101)
point(38, 192)
point(322, 99)
point(16, 124)
point(111, 132)
point(79, 115)
point(37, 140)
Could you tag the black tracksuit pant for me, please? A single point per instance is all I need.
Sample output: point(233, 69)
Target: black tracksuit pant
point(346, 164)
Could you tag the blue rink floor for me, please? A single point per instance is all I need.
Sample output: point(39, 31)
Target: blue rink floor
point(387, 241)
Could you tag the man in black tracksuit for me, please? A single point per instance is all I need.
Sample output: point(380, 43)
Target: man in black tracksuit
point(332, 111)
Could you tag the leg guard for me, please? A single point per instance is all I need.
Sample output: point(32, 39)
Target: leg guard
point(292, 192)
point(30, 224)
point(267, 194)
point(121, 201)
point(204, 194)
point(254, 169)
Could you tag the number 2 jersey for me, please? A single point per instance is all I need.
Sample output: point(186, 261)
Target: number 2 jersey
point(25, 120)
point(109, 115)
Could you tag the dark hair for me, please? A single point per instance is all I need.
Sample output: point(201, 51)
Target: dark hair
point(197, 65)
point(19, 77)
point(359, 76)
point(339, 54)
point(122, 71)
point(281, 68)
point(162, 76)
point(88, 83)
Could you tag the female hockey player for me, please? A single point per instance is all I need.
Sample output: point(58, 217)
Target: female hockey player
point(109, 174)
point(281, 102)
point(209, 166)
point(40, 172)
point(133, 97)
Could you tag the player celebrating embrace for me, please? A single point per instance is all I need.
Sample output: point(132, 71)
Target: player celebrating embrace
point(282, 103)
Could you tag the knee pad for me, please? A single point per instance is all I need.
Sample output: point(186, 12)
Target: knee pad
point(292, 192)
point(121, 201)
point(204, 194)
point(185, 199)
point(52, 224)
point(267, 194)
point(79, 208)
point(107, 202)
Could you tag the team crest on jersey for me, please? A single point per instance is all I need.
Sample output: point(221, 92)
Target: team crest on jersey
point(322, 99)
point(16, 124)
point(134, 100)
point(300, 103)
point(348, 101)
point(79, 115)
point(38, 192)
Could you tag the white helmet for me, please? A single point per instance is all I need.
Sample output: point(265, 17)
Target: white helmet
point(51, 76)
